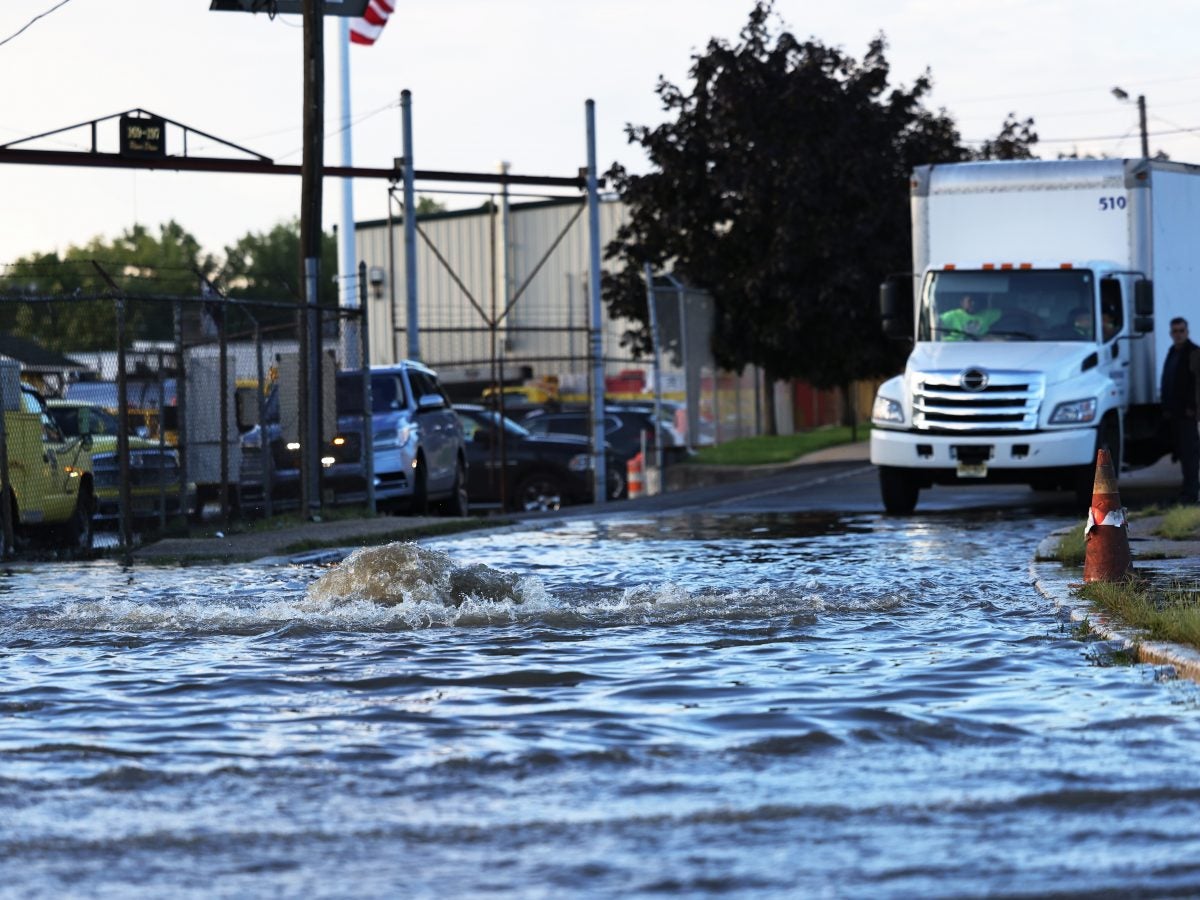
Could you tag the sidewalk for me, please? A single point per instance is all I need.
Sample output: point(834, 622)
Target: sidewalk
point(1151, 554)
point(268, 545)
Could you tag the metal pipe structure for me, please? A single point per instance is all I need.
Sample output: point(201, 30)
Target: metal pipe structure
point(412, 330)
point(368, 448)
point(692, 415)
point(599, 473)
point(348, 293)
point(653, 313)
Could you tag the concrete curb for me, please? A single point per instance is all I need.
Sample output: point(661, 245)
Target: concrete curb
point(1054, 581)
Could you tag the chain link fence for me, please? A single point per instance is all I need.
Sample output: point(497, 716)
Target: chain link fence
point(129, 415)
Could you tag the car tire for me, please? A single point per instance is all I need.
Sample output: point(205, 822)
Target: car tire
point(458, 504)
point(540, 491)
point(615, 475)
point(419, 504)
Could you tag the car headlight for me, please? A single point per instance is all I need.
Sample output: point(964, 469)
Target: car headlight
point(391, 438)
point(1074, 412)
point(580, 462)
point(886, 410)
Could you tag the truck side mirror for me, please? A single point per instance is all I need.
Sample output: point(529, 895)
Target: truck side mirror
point(1143, 306)
point(896, 307)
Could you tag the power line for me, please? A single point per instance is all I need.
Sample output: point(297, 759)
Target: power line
point(25, 27)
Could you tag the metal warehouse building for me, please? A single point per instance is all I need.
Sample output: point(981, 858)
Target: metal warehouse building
point(506, 286)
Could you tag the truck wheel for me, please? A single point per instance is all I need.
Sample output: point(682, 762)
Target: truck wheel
point(899, 490)
point(539, 491)
point(76, 533)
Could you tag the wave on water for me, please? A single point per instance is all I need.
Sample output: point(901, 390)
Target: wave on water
point(404, 586)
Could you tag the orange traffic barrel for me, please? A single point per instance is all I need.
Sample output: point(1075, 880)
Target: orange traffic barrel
point(1106, 556)
point(633, 476)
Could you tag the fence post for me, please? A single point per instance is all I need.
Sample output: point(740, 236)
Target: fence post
point(223, 405)
point(368, 448)
point(266, 454)
point(123, 431)
point(6, 520)
point(181, 440)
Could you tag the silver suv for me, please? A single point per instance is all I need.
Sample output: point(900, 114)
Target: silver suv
point(419, 456)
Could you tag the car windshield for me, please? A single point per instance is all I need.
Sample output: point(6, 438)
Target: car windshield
point(1008, 305)
point(387, 392)
point(475, 419)
point(77, 420)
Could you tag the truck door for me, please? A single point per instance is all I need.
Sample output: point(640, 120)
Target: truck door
point(1115, 356)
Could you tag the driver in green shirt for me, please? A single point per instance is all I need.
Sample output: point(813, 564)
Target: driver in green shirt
point(963, 321)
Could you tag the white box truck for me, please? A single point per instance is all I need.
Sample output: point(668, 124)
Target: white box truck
point(1038, 306)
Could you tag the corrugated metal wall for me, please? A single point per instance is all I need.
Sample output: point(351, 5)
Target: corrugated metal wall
point(460, 295)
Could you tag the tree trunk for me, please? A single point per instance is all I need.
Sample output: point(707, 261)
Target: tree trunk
point(770, 424)
point(850, 409)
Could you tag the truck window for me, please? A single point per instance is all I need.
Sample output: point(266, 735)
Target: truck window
point(1112, 310)
point(1007, 305)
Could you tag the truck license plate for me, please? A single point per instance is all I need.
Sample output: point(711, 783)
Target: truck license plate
point(972, 470)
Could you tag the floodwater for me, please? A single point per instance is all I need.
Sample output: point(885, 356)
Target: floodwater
point(710, 706)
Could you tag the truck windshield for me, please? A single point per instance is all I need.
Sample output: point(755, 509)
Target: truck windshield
point(1008, 305)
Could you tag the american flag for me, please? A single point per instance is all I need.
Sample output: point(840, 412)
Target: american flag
point(367, 29)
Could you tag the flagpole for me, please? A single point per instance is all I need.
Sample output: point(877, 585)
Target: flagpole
point(347, 267)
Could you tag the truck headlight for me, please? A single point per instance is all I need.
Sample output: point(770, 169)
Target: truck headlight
point(886, 410)
point(385, 439)
point(1074, 412)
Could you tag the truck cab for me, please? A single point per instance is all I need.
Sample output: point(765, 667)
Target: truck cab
point(47, 478)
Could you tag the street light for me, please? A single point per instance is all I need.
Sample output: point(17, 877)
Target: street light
point(1123, 96)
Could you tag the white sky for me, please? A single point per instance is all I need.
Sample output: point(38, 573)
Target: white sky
point(507, 79)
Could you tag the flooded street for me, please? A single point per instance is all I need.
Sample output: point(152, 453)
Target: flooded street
point(699, 705)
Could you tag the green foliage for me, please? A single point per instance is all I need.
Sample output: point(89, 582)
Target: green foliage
point(780, 185)
point(1072, 547)
point(769, 449)
point(136, 264)
point(267, 266)
point(1171, 613)
point(65, 300)
point(1180, 523)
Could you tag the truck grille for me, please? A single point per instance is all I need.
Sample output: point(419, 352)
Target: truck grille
point(977, 400)
point(147, 468)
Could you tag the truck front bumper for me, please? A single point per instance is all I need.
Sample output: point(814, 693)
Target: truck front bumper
point(964, 455)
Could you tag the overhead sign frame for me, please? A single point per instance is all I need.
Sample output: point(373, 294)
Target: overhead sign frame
point(350, 8)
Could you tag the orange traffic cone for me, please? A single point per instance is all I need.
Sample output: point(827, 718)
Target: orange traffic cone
point(1107, 535)
point(633, 476)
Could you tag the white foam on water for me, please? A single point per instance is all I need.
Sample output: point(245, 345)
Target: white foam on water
point(404, 586)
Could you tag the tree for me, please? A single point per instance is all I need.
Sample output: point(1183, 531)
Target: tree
point(780, 185)
point(267, 266)
point(1015, 141)
point(139, 263)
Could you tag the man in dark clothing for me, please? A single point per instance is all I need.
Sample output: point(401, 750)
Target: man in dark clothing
point(1180, 401)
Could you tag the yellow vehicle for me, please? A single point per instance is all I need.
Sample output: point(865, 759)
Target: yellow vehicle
point(49, 485)
point(154, 472)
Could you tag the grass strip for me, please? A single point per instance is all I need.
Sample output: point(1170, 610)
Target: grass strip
point(774, 449)
point(1180, 523)
point(1072, 547)
point(1164, 613)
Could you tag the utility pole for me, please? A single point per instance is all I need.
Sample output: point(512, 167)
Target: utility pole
point(311, 174)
